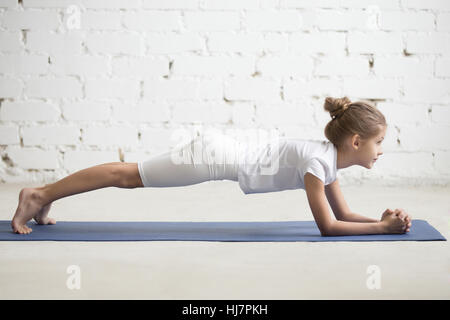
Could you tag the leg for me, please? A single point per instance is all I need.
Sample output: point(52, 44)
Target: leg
point(35, 202)
point(197, 164)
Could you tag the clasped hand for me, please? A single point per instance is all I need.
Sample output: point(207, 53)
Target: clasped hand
point(397, 221)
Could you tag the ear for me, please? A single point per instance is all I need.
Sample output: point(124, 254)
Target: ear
point(356, 141)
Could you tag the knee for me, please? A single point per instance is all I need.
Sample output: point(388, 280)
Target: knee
point(126, 175)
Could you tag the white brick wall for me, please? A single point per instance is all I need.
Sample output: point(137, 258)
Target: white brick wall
point(137, 70)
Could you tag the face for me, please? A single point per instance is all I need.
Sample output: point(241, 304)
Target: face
point(370, 150)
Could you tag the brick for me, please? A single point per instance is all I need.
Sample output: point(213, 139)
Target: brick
point(399, 114)
point(441, 114)
point(228, 42)
point(364, 4)
point(375, 42)
point(9, 135)
point(430, 4)
point(179, 89)
point(29, 158)
point(140, 66)
point(80, 159)
point(428, 43)
point(406, 164)
point(50, 135)
point(212, 21)
point(301, 131)
point(170, 89)
point(201, 112)
point(28, 111)
point(112, 4)
point(443, 22)
point(93, 20)
point(84, 65)
point(328, 42)
point(299, 89)
point(442, 67)
point(399, 20)
point(143, 111)
point(46, 42)
point(352, 4)
point(230, 4)
point(10, 41)
point(115, 43)
point(112, 88)
point(213, 66)
point(210, 89)
point(424, 90)
point(342, 66)
point(424, 137)
point(30, 19)
point(113, 136)
point(300, 4)
point(8, 3)
point(283, 114)
point(285, 65)
point(402, 66)
point(370, 88)
point(89, 4)
point(152, 21)
point(274, 42)
point(252, 89)
point(158, 139)
point(441, 161)
point(51, 3)
point(174, 43)
point(243, 113)
point(86, 111)
point(53, 88)
point(273, 21)
point(10, 87)
point(14, 64)
point(342, 20)
point(173, 4)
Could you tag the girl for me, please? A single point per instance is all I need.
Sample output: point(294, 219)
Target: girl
point(355, 134)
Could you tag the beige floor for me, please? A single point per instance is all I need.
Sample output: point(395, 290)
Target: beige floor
point(227, 270)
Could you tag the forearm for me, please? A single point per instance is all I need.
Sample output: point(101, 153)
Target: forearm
point(354, 217)
point(347, 228)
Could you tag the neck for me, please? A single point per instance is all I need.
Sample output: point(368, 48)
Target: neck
point(342, 160)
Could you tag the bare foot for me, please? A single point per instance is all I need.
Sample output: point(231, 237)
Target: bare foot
point(29, 207)
point(42, 216)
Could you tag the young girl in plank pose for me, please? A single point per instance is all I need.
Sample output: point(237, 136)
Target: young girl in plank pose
point(355, 134)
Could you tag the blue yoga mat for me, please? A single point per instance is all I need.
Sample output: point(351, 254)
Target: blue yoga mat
point(202, 231)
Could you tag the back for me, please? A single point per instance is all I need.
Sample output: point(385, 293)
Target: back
point(281, 164)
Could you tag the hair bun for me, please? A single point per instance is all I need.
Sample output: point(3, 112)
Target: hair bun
point(336, 106)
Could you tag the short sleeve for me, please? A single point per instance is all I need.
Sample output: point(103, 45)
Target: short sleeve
point(314, 167)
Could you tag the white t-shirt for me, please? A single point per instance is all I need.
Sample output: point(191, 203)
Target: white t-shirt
point(282, 163)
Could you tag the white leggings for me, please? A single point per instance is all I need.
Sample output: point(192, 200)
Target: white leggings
point(210, 156)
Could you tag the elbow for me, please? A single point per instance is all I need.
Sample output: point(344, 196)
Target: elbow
point(324, 233)
point(326, 230)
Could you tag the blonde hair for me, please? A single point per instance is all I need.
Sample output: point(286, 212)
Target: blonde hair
point(349, 118)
